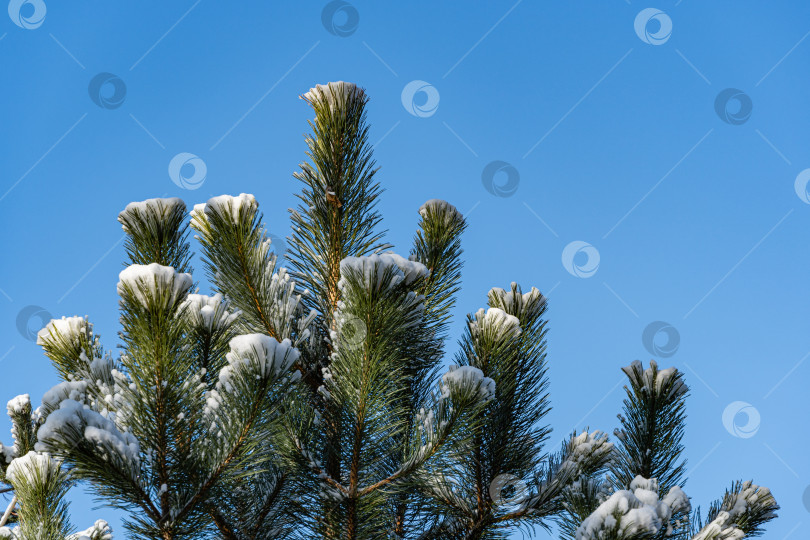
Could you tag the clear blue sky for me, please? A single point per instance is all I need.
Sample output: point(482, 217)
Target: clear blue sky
point(612, 138)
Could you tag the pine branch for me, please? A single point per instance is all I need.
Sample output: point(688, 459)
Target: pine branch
point(637, 513)
point(579, 501)
point(653, 420)
point(240, 264)
point(109, 458)
point(580, 461)
point(250, 505)
point(76, 353)
point(364, 378)
point(507, 343)
point(22, 425)
point(157, 233)
point(742, 513)
point(241, 407)
point(437, 245)
point(336, 217)
point(222, 525)
point(40, 485)
point(8, 511)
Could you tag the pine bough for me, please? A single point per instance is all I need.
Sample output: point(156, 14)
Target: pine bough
point(309, 401)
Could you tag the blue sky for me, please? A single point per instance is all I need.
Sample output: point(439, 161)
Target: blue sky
point(610, 134)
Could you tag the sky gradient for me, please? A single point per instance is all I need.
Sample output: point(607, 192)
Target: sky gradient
point(638, 167)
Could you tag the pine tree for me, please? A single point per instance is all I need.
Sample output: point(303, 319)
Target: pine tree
point(39, 482)
point(501, 480)
point(642, 495)
point(370, 423)
point(173, 422)
point(312, 401)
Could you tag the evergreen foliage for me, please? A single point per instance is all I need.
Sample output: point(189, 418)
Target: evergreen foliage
point(312, 401)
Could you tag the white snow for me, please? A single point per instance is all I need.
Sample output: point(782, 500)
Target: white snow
point(527, 304)
point(465, 379)
point(209, 312)
point(750, 495)
point(73, 418)
point(133, 216)
point(724, 525)
point(635, 511)
point(213, 400)
point(331, 92)
point(677, 500)
point(7, 452)
point(722, 528)
point(586, 448)
point(374, 267)
point(100, 530)
point(19, 404)
point(426, 418)
point(654, 378)
point(441, 207)
point(256, 355)
point(495, 322)
point(412, 270)
point(75, 390)
point(16, 407)
point(33, 467)
point(198, 219)
point(148, 282)
point(70, 329)
point(228, 206)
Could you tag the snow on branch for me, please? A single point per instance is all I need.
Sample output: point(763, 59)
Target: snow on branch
point(442, 208)
point(496, 323)
point(33, 467)
point(69, 330)
point(667, 381)
point(198, 220)
point(585, 450)
point(257, 355)
point(634, 512)
point(580, 458)
point(742, 512)
point(253, 359)
point(76, 352)
point(75, 390)
point(100, 530)
point(361, 278)
point(19, 404)
point(153, 283)
point(467, 381)
point(240, 260)
point(74, 423)
point(19, 410)
point(231, 208)
point(383, 270)
point(526, 306)
point(333, 94)
point(156, 232)
point(137, 216)
point(208, 312)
